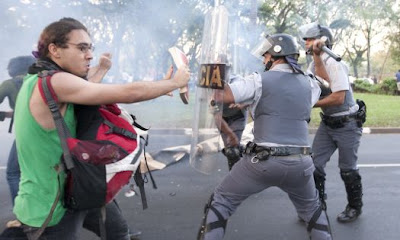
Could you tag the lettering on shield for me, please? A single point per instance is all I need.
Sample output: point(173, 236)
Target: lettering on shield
point(212, 76)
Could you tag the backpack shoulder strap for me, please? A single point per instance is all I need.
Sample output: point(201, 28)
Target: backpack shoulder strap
point(46, 75)
point(48, 92)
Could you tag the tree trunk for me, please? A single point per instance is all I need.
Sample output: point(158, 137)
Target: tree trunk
point(369, 51)
point(355, 70)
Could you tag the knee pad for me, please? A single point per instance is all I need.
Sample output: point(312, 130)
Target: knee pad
point(312, 224)
point(350, 176)
point(205, 228)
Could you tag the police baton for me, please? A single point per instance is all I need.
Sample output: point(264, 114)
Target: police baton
point(328, 51)
point(331, 54)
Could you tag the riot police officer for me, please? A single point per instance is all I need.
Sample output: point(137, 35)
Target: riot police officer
point(281, 101)
point(340, 127)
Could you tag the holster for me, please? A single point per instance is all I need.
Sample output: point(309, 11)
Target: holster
point(361, 113)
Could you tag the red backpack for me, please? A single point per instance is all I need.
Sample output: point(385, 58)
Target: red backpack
point(96, 169)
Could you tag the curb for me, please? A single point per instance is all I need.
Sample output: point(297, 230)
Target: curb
point(381, 130)
point(372, 130)
point(188, 131)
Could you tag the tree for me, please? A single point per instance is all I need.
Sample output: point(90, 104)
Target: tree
point(281, 16)
point(371, 17)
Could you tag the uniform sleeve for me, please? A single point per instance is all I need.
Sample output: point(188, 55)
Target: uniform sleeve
point(338, 74)
point(246, 89)
point(315, 91)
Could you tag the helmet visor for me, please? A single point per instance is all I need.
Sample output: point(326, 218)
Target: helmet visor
point(311, 30)
point(262, 47)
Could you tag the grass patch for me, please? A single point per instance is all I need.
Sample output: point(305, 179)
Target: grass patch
point(382, 110)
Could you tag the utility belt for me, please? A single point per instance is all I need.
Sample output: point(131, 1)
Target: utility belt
point(263, 153)
point(337, 122)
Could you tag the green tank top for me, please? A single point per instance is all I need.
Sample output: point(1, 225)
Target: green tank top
point(39, 151)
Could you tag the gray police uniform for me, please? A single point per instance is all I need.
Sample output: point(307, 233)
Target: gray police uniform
point(278, 157)
point(340, 130)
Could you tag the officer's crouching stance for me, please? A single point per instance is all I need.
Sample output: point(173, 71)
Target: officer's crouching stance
point(280, 153)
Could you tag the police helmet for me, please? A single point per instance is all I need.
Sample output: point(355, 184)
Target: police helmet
point(316, 31)
point(278, 45)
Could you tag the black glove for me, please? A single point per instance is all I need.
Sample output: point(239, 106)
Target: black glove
point(233, 154)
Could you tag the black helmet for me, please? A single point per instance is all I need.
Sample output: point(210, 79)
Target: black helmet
point(316, 31)
point(278, 45)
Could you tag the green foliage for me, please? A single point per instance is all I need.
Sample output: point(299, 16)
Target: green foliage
point(387, 87)
point(382, 110)
point(362, 86)
point(395, 48)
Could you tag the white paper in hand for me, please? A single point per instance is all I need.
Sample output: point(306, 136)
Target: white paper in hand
point(180, 60)
point(179, 57)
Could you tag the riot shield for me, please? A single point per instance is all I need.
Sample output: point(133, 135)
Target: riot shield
point(205, 145)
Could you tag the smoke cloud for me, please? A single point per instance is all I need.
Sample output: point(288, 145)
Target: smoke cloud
point(138, 34)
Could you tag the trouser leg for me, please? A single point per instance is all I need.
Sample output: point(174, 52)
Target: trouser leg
point(301, 189)
point(66, 229)
point(348, 139)
point(319, 227)
point(323, 148)
point(209, 225)
point(13, 172)
point(115, 224)
point(244, 180)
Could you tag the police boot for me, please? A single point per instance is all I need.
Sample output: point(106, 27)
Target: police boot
point(320, 186)
point(352, 181)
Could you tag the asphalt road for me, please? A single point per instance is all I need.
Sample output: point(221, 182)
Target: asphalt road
point(176, 207)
